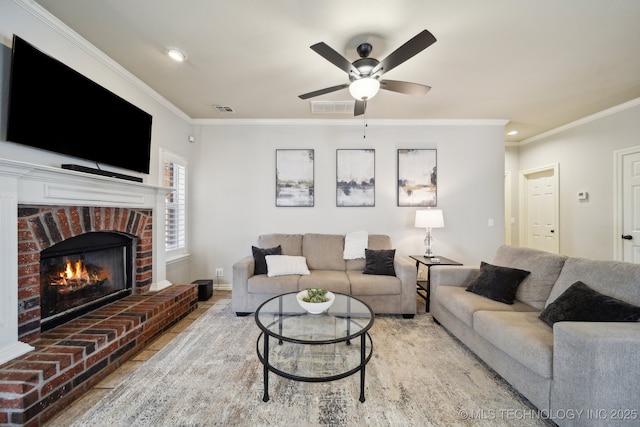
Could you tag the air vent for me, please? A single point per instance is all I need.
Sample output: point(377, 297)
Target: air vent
point(332, 107)
point(224, 109)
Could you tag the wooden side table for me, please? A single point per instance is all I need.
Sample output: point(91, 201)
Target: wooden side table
point(425, 285)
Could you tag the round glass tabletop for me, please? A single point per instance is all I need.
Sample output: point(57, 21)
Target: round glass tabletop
point(283, 318)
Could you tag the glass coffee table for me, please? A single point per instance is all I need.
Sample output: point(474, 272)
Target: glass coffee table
point(314, 347)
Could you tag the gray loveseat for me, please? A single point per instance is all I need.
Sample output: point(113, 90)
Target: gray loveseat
point(328, 270)
point(576, 373)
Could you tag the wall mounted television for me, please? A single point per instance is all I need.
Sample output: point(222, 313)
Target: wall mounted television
point(55, 108)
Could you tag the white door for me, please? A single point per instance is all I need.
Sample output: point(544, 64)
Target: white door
point(539, 205)
point(630, 235)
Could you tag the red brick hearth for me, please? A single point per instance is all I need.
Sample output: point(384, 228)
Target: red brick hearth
point(70, 359)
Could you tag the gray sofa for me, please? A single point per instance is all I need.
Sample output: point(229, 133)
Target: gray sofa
point(328, 270)
point(576, 373)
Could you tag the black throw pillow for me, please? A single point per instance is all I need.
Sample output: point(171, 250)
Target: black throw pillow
point(379, 262)
point(259, 255)
point(497, 283)
point(580, 303)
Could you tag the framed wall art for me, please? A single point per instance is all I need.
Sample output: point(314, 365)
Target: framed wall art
point(294, 177)
point(417, 177)
point(355, 178)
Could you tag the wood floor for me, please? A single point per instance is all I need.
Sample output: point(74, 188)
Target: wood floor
point(80, 406)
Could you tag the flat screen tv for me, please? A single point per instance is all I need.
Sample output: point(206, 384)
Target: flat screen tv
point(55, 108)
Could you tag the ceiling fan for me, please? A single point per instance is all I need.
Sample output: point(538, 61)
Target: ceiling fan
point(365, 73)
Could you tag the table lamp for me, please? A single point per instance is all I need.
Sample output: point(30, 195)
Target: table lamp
point(429, 218)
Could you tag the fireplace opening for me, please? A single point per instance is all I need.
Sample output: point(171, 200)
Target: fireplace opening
point(83, 273)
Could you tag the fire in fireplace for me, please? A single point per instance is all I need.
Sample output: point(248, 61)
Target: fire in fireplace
point(82, 273)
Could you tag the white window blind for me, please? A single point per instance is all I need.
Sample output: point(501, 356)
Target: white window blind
point(174, 176)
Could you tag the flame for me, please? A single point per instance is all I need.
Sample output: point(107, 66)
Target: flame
point(74, 272)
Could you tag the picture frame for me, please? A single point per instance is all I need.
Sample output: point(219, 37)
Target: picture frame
point(295, 178)
point(417, 178)
point(355, 177)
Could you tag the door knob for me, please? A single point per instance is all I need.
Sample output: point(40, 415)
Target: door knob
point(627, 236)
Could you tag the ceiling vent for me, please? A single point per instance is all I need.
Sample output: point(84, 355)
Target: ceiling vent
point(332, 107)
point(224, 109)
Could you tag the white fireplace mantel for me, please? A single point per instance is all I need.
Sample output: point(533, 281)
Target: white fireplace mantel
point(25, 183)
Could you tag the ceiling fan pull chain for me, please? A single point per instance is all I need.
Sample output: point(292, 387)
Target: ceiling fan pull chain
point(364, 128)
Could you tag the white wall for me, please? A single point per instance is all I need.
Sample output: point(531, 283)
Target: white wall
point(232, 183)
point(170, 129)
point(585, 154)
point(232, 165)
point(512, 169)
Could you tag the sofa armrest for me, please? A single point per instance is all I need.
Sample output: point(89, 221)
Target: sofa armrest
point(452, 275)
point(242, 271)
point(407, 273)
point(596, 369)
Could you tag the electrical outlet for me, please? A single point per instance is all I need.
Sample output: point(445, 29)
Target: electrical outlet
point(219, 272)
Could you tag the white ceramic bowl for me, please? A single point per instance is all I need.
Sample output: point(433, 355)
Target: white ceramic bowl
point(315, 307)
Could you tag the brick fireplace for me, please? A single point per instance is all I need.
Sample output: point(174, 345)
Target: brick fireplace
point(40, 227)
point(41, 372)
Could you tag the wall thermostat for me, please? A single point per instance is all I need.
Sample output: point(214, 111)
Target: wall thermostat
point(583, 195)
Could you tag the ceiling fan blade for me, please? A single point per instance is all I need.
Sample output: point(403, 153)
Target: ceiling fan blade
point(334, 57)
point(414, 46)
point(359, 108)
point(323, 91)
point(407, 88)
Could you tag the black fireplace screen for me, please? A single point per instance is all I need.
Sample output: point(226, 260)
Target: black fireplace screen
point(83, 273)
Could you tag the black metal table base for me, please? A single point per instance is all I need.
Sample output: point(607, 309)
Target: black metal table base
point(264, 359)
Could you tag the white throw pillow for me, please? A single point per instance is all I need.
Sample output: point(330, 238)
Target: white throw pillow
point(281, 265)
point(355, 244)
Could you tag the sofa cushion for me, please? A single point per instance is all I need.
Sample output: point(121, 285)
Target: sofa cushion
point(291, 243)
point(331, 280)
point(282, 265)
point(324, 251)
point(463, 304)
point(379, 262)
point(614, 278)
point(263, 284)
point(375, 241)
point(497, 283)
point(259, 255)
point(520, 335)
point(582, 304)
point(545, 268)
point(370, 284)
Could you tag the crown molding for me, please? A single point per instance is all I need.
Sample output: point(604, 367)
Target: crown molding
point(350, 122)
point(593, 117)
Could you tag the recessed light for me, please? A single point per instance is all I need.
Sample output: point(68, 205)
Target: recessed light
point(177, 55)
point(512, 132)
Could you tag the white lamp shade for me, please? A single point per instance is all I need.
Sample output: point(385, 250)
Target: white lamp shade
point(364, 89)
point(429, 218)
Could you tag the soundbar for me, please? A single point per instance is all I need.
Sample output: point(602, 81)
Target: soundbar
point(101, 172)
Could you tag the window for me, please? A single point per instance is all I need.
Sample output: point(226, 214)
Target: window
point(174, 176)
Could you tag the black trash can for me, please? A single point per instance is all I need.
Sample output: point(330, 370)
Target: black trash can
point(205, 289)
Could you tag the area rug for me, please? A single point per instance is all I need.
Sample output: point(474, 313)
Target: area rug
point(210, 375)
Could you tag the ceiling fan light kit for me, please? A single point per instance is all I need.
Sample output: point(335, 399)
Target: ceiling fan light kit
point(365, 73)
point(364, 89)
